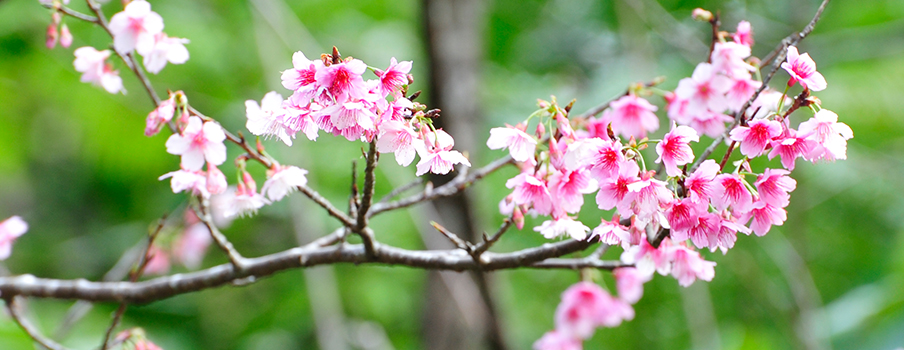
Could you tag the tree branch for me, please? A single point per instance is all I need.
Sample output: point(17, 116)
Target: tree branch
point(12, 304)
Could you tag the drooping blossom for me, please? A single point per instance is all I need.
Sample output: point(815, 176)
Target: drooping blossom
point(791, 146)
point(730, 190)
point(521, 145)
point(135, 27)
point(802, 68)
point(398, 137)
point(629, 283)
point(246, 200)
point(703, 232)
point(829, 135)
point(164, 49)
point(764, 216)
point(740, 92)
point(555, 340)
point(300, 78)
point(283, 180)
point(94, 68)
point(267, 118)
point(773, 187)
point(10, 229)
point(564, 226)
point(611, 232)
point(649, 195)
point(52, 35)
point(674, 149)
point(743, 34)
point(567, 189)
point(65, 36)
point(756, 136)
point(216, 180)
point(614, 192)
point(585, 306)
point(160, 116)
point(603, 157)
point(532, 191)
point(343, 80)
point(199, 142)
point(394, 77)
point(682, 216)
point(727, 235)
point(728, 59)
point(766, 104)
point(648, 259)
point(704, 90)
point(688, 266)
point(632, 116)
point(190, 247)
point(191, 181)
point(351, 115)
point(699, 184)
point(437, 156)
point(710, 123)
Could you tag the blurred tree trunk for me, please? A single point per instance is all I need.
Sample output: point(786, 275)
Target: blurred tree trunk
point(460, 312)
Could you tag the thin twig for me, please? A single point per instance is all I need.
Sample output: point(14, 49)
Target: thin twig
point(71, 13)
point(401, 189)
point(203, 213)
point(489, 241)
point(457, 241)
point(32, 331)
point(325, 204)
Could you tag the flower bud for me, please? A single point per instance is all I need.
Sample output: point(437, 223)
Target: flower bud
point(518, 217)
point(700, 14)
point(65, 36)
point(52, 35)
point(541, 130)
point(216, 180)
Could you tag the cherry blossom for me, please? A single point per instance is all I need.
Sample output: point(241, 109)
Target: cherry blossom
point(730, 190)
point(756, 136)
point(65, 36)
point(530, 190)
point(740, 92)
point(773, 187)
point(674, 149)
point(135, 28)
point(160, 116)
point(191, 245)
point(283, 180)
point(198, 142)
point(764, 216)
point(699, 184)
point(602, 156)
point(521, 145)
point(267, 118)
point(94, 68)
point(790, 146)
point(159, 263)
point(394, 77)
point(216, 180)
point(802, 68)
point(164, 49)
point(246, 200)
point(629, 283)
point(586, 306)
point(704, 90)
point(438, 157)
point(192, 181)
point(611, 232)
point(648, 259)
point(632, 116)
point(688, 266)
point(743, 34)
point(567, 189)
point(343, 80)
point(614, 192)
point(649, 195)
point(829, 135)
point(398, 137)
point(10, 229)
point(555, 340)
point(564, 226)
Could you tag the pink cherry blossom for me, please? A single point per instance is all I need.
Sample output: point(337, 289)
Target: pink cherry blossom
point(555, 340)
point(300, 78)
point(192, 181)
point(766, 104)
point(773, 187)
point(629, 282)
point(648, 259)
point(343, 80)
point(674, 149)
point(744, 34)
point(351, 115)
point(829, 135)
point(791, 146)
point(52, 35)
point(246, 200)
point(740, 92)
point(521, 145)
point(727, 235)
point(160, 116)
point(191, 245)
point(764, 216)
point(267, 118)
point(802, 68)
point(586, 306)
point(163, 50)
point(710, 123)
point(398, 137)
point(730, 190)
point(704, 231)
point(688, 266)
point(216, 180)
point(567, 189)
point(649, 195)
point(614, 192)
point(301, 119)
point(394, 77)
point(530, 190)
point(756, 136)
point(283, 180)
point(611, 232)
point(728, 58)
point(699, 184)
point(682, 216)
point(704, 90)
point(440, 161)
point(602, 156)
point(94, 68)
point(135, 27)
point(198, 142)
point(564, 226)
point(65, 36)
point(632, 116)
point(10, 229)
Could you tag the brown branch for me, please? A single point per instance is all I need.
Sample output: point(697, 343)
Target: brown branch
point(325, 204)
point(12, 304)
point(489, 241)
point(203, 213)
point(168, 286)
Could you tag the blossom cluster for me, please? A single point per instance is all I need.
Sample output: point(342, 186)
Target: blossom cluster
point(700, 204)
point(136, 28)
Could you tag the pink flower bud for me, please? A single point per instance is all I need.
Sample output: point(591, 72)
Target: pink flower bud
point(541, 130)
point(249, 182)
point(216, 181)
point(65, 36)
point(700, 14)
point(52, 35)
point(518, 217)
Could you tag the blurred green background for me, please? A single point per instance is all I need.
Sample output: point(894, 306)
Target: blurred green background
point(76, 166)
